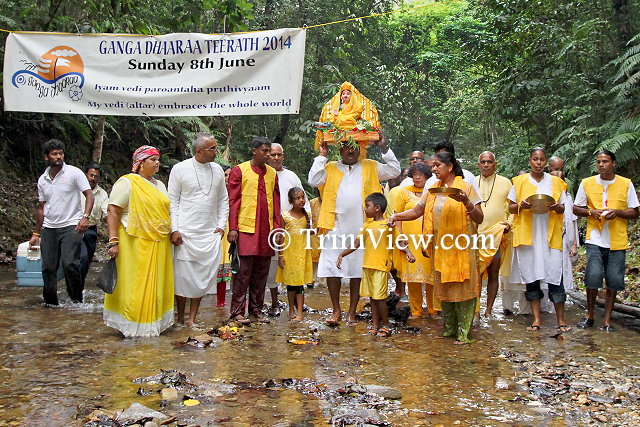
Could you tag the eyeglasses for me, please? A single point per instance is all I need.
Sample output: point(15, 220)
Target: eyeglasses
point(212, 149)
point(416, 158)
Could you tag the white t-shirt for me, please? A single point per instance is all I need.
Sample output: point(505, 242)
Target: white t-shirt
point(63, 205)
point(602, 238)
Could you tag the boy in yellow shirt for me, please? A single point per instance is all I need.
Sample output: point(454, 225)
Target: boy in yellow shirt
point(375, 236)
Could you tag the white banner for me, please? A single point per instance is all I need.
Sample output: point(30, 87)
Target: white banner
point(170, 75)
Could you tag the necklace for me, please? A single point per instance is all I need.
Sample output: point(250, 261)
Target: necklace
point(491, 191)
point(198, 179)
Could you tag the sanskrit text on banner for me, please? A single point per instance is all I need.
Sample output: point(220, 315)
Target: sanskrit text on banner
point(170, 75)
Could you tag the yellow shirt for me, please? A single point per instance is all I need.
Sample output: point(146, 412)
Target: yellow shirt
point(377, 254)
point(495, 205)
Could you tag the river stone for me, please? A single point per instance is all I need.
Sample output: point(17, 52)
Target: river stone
point(204, 338)
point(150, 424)
point(169, 393)
point(384, 391)
point(600, 399)
point(355, 416)
point(137, 411)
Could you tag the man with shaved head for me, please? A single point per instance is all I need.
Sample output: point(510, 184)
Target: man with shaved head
point(555, 163)
point(287, 179)
point(494, 189)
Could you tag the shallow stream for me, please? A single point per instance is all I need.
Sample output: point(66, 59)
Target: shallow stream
point(56, 362)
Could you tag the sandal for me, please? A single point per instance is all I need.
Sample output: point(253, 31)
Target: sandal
point(331, 322)
point(383, 332)
point(242, 320)
point(262, 319)
point(534, 328)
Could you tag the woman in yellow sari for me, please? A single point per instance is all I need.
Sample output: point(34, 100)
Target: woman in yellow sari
point(455, 265)
point(139, 227)
point(415, 274)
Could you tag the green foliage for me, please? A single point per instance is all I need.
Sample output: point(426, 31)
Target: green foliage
point(500, 75)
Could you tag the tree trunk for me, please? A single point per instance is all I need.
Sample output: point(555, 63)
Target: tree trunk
point(226, 154)
point(96, 157)
point(285, 119)
point(622, 19)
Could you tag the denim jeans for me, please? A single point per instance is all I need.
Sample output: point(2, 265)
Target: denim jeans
point(61, 245)
point(603, 263)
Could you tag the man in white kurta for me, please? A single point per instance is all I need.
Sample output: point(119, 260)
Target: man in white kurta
point(349, 218)
point(199, 210)
point(287, 179)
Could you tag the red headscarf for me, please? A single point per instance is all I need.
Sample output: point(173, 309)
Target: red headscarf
point(141, 154)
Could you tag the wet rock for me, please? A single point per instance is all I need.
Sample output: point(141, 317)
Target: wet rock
point(384, 391)
point(348, 416)
point(150, 424)
point(600, 399)
point(601, 418)
point(169, 394)
point(137, 412)
point(203, 338)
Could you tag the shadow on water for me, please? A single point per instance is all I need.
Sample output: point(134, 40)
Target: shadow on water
point(56, 361)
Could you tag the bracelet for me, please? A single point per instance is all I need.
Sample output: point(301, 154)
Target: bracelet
point(35, 234)
point(111, 245)
point(113, 239)
point(588, 213)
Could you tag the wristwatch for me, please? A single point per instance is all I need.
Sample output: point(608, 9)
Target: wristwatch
point(84, 215)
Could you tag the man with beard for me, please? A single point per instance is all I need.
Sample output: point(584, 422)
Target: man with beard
point(60, 222)
point(98, 214)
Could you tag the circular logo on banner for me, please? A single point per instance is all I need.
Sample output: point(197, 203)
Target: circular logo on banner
point(59, 61)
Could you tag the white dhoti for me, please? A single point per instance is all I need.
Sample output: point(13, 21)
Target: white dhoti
point(199, 205)
point(349, 221)
point(195, 264)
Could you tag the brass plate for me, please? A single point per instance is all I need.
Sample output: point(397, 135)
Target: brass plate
point(540, 203)
point(444, 190)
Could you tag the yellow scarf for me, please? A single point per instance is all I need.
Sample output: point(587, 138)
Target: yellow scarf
point(148, 210)
point(453, 264)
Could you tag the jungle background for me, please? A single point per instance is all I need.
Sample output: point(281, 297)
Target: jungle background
point(500, 75)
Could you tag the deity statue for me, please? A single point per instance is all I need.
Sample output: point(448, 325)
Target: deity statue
point(350, 112)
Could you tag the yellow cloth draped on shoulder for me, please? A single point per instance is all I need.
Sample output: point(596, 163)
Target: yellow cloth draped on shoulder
point(344, 116)
point(142, 303)
point(455, 271)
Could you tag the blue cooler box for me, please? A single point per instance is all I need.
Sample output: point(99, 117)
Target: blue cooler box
point(29, 266)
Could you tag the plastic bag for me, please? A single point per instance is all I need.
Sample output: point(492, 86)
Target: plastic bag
point(235, 258)
point(108, 276)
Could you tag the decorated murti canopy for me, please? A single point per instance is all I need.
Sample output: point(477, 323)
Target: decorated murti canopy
point(349, 117)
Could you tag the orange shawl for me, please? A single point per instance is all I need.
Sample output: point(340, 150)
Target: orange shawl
point(452, 263)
